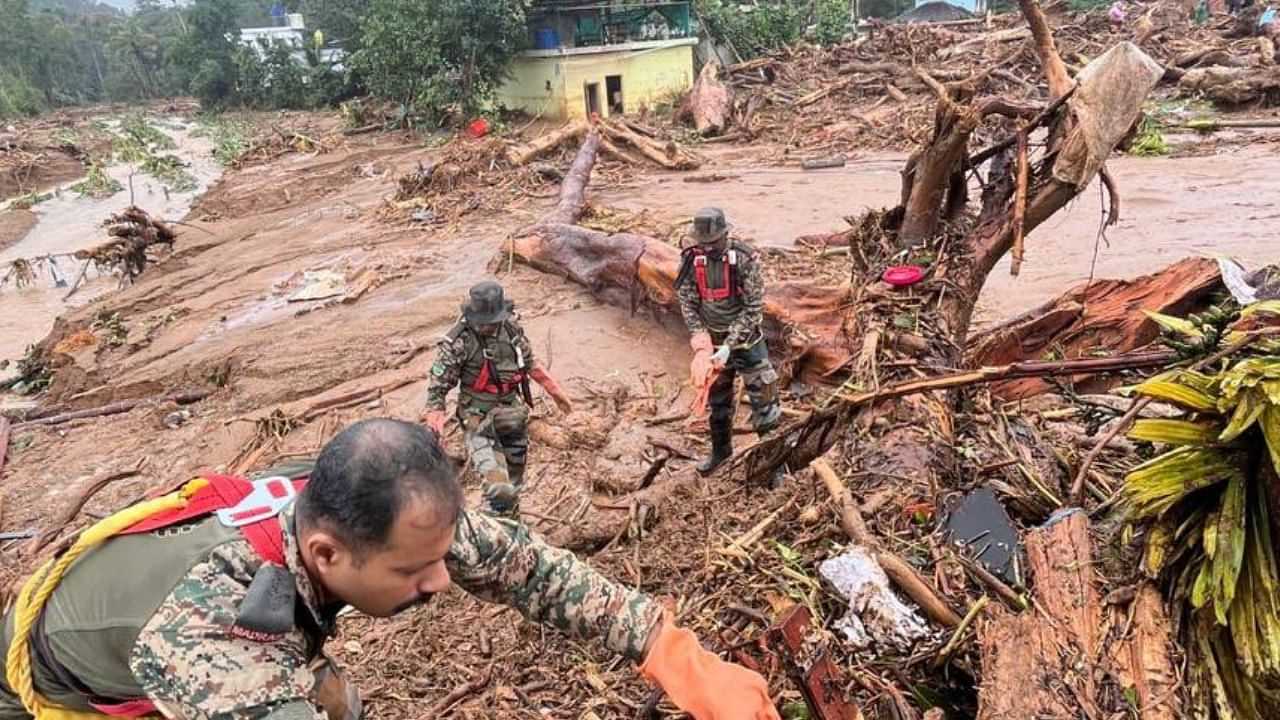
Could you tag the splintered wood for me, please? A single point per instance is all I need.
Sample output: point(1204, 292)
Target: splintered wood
point(1048, 663)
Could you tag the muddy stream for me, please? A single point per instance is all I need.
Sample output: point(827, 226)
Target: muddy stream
point(69, 222)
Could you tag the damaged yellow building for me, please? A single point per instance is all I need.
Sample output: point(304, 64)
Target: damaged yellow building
point(603, 58)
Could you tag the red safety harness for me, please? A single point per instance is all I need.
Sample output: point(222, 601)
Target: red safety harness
point(250, 506)
point(487, 381)
point(253, 507)
point(728, 281)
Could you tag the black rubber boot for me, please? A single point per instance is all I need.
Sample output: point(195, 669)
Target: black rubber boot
point(721, 447)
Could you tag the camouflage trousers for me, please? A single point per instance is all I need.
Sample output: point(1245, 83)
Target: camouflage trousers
point(496, 433)
point(762, 388)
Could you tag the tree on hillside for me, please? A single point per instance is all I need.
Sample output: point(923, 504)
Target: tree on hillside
point(205, 54)
point(439, 57)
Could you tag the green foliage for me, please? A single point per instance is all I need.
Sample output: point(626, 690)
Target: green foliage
point(18, 96)
point(440, 59)
point(1149, 141)
point(230, 138)
point(1205, 503)
point(205, 52)
point(63, 52)
point(753, 30)
point(97, 183)
point(271, 78)
point(34, 373)
point(137, 140)
point(141, 143)
point(111, 328)
point(170, 170)
point(832, 21)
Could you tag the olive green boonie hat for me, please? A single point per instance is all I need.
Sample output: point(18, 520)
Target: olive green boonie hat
point(488, 304)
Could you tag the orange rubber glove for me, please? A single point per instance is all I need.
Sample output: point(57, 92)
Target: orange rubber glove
point(435, 419)
point(548, 383)
point(702, 372)
point(700, 341)
point(702, 684)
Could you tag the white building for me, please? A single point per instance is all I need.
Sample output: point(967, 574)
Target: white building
point(293, 33)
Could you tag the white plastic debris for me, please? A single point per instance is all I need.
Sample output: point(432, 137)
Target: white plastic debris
point(1236, 279)
point(318, 285)
point(875, 613)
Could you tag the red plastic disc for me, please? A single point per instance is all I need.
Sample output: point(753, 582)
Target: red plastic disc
point(903, 275)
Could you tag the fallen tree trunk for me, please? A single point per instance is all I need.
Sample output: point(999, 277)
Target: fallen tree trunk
point(522, 154)
point(631, 270)
point(1047, 669)
point(711, 102)
point(1232, 85)
point(114, 409)
point(668, 156)
point(1104, 315)
point(1001, 36)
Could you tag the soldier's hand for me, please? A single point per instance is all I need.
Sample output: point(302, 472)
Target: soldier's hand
point(702, 684)
point(720, 357)
point(435, 419)
point(563, 403)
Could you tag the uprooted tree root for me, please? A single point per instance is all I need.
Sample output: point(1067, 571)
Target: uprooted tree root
point(138, 232)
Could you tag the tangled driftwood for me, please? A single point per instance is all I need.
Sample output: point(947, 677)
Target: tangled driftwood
point(136, 232)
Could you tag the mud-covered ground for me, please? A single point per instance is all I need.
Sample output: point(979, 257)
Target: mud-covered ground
point(285, 374)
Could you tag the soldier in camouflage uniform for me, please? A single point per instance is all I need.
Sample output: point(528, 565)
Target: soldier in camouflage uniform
point(174, 621)
point(490, 360)
point(721, 291)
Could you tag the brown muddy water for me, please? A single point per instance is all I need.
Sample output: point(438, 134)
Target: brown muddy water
point(68, 222)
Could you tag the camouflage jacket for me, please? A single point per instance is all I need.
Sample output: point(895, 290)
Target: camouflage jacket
point(461, 356)
point(186, 658)
point(737, 318)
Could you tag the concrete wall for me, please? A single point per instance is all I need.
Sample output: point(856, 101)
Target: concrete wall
point(536, 86)
point(649, 75)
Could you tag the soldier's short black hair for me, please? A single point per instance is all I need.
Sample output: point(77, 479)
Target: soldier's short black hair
point(366, 475)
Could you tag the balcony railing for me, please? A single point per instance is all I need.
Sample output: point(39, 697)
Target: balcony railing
point(587, 25)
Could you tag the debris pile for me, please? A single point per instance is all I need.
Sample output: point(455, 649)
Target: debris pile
point(294, 133)
point(467, 175)
point(874, 92)
point(492, 174)
point(136, 234)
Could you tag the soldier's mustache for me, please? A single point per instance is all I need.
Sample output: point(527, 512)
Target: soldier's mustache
point(422, 599)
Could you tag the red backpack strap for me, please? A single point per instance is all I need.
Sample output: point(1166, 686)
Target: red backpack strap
point(222, 491)
point(252, 507)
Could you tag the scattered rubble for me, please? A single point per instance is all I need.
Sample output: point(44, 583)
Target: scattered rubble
point(940, 617)
point(872, 93)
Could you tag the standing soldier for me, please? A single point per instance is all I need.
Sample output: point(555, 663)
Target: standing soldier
point(489, 359)
point(721, 291)
point(215, 602)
